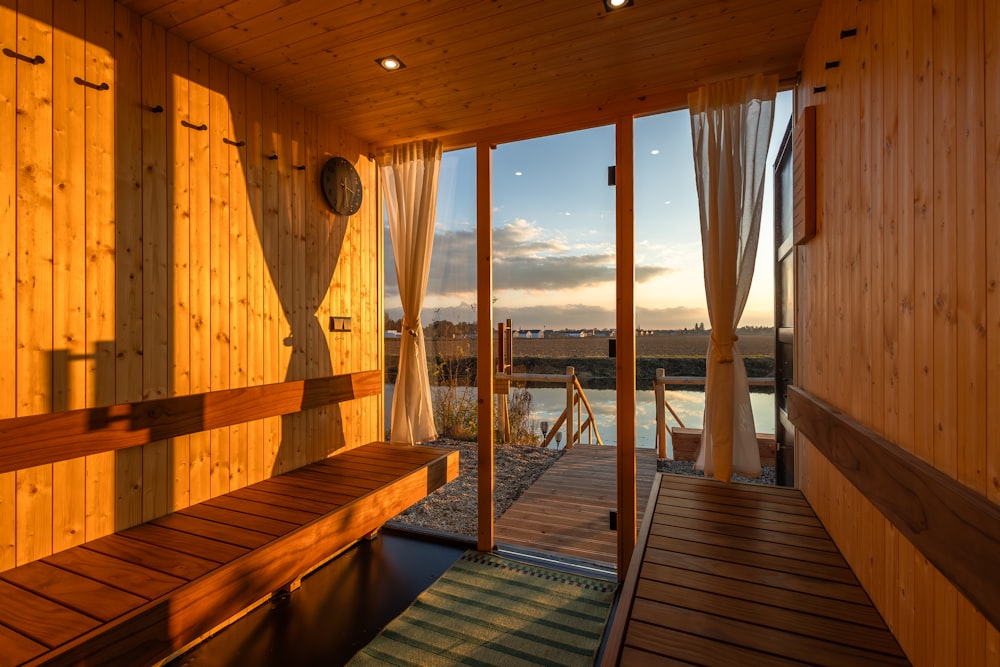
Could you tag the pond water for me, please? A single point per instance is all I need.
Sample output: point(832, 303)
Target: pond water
point(689, 404)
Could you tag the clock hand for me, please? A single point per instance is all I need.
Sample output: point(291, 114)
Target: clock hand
point(343, 184)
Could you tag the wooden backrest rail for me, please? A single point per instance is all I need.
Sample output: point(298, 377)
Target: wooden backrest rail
point(957, 529)
point(59, 436)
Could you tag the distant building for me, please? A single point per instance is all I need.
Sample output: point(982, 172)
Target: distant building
point(393, 334)
point(529, 333)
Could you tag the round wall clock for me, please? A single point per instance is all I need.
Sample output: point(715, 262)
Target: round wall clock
point(341, 186)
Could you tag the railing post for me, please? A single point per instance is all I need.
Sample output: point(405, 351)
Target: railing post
point(661, 417)
point(570, 388)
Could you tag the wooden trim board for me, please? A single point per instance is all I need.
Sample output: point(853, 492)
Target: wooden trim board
point(60, 436)
point(957, 529)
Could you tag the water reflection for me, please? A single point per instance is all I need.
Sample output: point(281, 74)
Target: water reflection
point(689, 404)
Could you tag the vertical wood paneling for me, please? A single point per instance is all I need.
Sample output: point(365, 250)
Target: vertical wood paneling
point(256, 272)
point(317, 347)
point(69, 260)
point(944, 294)
point(100, 243)
point(8, 275)
point(179, 256)
point(970, 259)
point(270, 234)
point(157, 482)
point(285, 281)
point(875, 343)
point(238, 318)
point(142, 258)
point(992, 143)
point(199, 197)
point(127, 125)
point(899, 262)
point(925, 128)
point(991, 40)
point(34, 271)
point(218, 231)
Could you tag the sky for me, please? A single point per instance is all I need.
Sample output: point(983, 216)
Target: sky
point(554, 232)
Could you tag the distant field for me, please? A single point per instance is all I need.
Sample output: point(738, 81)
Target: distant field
point(683, 345)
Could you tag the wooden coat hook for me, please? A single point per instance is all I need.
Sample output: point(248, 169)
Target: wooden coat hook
point(200, 128)
point(96, 86)
point(37, 60)
point(238, 144)
point(157, 109)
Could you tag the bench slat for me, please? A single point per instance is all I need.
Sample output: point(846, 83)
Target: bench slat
point(138, 580)
point(40, 619)
point(17, 648)
point(194, 545)
point(263, 510)
point(228, 517)
point(72, 590)
point(241, 537)
point(180, 565)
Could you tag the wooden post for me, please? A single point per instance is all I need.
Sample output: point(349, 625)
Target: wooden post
point(570, 433)
point(625, 353)
point(484, 343)
point(661, 417)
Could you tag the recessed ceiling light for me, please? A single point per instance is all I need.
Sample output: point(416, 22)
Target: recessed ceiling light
point(613, 5)
point(655, 151)
point(390, 63)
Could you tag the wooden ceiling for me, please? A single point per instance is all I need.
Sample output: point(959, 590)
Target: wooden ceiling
point(489, 70)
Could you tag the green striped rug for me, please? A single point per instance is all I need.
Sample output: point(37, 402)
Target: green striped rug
point(487, 610)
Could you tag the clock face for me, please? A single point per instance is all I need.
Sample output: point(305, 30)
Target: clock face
point(341, 186)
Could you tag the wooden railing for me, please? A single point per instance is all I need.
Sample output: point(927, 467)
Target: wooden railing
point(664, 445)
point(572, 416)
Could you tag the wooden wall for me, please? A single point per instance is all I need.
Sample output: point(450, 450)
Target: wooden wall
point(141, 258)
point(898, 298)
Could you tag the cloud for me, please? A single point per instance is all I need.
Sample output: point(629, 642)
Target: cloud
point(526, 259)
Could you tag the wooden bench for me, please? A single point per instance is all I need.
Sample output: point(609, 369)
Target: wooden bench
point(139, 595)
point(142, 594)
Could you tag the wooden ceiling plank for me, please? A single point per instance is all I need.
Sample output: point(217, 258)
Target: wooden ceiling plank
point(240, 21)
point(343, 28)
point(559, 58)
point(179, 11)
point(465, 43)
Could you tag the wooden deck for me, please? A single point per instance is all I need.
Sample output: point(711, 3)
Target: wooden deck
point(567, 510)
point(735, 573)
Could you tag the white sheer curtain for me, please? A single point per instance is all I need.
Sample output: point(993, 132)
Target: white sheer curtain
point(731, 128)
point(409, 175)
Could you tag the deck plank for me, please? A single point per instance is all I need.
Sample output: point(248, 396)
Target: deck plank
point(567, 510)
point(728, 574)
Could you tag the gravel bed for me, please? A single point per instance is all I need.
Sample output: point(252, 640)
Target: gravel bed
point(452, 508)
point(767, 476)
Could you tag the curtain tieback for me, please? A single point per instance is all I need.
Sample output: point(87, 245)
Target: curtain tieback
point(724, 348)
point(412, 328)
